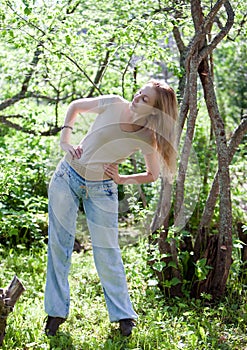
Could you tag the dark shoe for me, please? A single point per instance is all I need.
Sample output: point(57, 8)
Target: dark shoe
point(126, 326)
point(52, 325)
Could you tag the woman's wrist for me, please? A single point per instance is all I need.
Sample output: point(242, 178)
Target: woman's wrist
point(66, 127)
point(121, 180)
point(64, 145)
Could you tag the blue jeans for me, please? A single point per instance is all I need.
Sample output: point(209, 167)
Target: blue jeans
point(100, 204)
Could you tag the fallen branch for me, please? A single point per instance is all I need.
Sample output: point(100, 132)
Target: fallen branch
point(8, 298)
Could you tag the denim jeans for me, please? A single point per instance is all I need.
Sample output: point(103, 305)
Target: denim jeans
point(100, 203)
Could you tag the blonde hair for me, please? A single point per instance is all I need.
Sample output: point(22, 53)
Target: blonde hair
point(163, 123)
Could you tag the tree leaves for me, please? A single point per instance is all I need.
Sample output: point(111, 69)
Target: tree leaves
point(27, 11)
point(68, 39)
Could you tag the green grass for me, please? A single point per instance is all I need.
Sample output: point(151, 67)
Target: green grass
point(163, 323)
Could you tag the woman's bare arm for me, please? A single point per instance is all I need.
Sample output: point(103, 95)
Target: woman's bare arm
point(151, 175)
point(82, 105)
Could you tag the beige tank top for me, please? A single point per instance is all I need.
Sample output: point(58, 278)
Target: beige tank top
point(106, 142)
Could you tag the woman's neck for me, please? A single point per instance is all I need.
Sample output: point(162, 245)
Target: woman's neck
point(131, 121)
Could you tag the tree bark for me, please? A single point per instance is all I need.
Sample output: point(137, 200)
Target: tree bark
point(179, 210)
point(161, 217)
point(234, 142)
point(224, 244)
point(195, 60)
point(23, 91)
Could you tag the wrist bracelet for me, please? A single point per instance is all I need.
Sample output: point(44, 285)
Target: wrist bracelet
point(66, 126)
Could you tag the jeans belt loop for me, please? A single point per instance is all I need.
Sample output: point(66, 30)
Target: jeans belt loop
point(85, 188)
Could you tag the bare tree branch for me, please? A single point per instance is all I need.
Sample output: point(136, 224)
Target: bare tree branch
point(230, 19)
point(179, 201)
point(80, 69)
point(22, 94)
point(102, 68)
point(24, 19)
point(56, 52)
point(213, 12)
point(12, 125)
point(241, 27)
point(202, 31)
point(72, 10)
point(179, 41)
point(132, 54)
point(234, 142)
point(52, 131)
point(48, 98)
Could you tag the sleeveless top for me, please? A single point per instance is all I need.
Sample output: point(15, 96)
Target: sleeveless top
point(105, 142)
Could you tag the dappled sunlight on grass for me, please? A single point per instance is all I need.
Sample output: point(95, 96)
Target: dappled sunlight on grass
point(163, 324)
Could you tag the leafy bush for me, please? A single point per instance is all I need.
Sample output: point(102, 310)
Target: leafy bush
point(23, 187)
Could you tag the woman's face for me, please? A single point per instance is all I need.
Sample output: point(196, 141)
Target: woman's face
point(143, 101)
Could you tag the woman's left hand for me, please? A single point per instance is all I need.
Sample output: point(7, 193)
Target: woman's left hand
point(111, 170)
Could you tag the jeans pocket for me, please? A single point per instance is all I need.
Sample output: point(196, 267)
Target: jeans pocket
point(59, 173)
point(60, 176)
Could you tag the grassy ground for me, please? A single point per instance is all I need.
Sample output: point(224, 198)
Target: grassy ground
point(163, 323)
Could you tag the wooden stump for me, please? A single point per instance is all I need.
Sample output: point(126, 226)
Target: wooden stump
point(8, 298)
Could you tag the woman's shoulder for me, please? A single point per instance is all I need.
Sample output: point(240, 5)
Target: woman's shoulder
point(111, 99)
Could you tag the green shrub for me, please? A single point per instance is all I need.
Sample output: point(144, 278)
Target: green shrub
point(25, 162)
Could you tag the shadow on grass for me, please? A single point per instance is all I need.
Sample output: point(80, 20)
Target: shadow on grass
point(113, 341)
point(62, 341)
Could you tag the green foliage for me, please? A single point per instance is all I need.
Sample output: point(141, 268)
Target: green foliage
point(75, 45)
point(239, 193)
point(119, 46)
point(163, 323)
point(23, 188)
point(71, 49)
point(202, 269)
point(231, 79)
point(162, 262)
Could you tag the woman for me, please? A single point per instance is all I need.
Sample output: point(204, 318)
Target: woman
point(89, 172)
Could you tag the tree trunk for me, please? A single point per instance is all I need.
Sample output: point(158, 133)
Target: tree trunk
point(235, 140)
point(223, 252)
point(161, 217)
point(217, 248)
point(179, 210)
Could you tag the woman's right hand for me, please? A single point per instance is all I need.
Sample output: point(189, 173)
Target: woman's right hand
point(75, 152)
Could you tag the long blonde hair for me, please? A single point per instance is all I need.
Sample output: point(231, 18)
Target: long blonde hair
point(163, 123)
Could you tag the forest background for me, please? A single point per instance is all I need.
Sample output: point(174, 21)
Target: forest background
point(188, 240)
